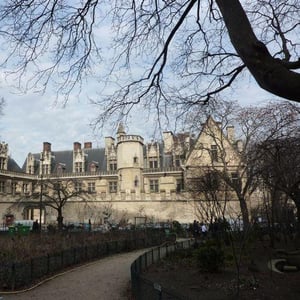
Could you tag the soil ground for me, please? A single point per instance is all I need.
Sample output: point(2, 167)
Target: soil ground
point(257, 281)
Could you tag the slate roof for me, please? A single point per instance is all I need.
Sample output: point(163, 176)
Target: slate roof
point(65, 158)
point(93, 155)
point(13, 166)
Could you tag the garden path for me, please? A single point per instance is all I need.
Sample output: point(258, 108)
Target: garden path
point(105, 279)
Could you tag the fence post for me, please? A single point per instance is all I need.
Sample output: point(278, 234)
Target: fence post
point(48, 263)
point(31, 269)
point(13, 276)
point(62, 258)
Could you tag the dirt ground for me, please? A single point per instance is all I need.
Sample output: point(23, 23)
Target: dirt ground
point(257, 281)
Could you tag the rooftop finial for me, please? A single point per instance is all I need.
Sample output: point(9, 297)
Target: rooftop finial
point(121, 130)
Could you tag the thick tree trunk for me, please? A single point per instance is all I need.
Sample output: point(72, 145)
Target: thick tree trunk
point(271, 74)
point(60, 219)
point(245, 213)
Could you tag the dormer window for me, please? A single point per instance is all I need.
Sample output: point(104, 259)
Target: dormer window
point(78, 167)
point(153, 163)
point(2, 163)
point(61, 168)
point(112, 165)
point(45, 169)
point(93, 167)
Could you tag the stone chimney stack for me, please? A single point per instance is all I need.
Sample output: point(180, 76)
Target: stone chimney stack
point(88, 145)
point(46, 147)
point(77, 146)
point(230, 133)
point(168, 141)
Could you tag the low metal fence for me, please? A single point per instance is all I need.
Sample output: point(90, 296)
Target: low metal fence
point(15, 275)
point(144, 289)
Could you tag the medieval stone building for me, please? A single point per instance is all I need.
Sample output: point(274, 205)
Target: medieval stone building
point(125, 180)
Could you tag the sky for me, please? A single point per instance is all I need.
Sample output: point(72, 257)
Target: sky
point(30, 119)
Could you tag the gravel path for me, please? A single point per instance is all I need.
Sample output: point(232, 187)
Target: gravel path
point(105, 279)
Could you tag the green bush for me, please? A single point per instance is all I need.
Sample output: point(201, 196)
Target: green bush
point(210, 258)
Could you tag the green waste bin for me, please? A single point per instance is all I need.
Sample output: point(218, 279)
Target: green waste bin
point(24, 230)
point(11, 230)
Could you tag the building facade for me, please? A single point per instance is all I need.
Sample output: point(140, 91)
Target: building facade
point(125, 180)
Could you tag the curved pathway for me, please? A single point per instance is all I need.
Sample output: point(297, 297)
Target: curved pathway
point(104, 279)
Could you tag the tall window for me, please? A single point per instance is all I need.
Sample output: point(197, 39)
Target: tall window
point(45, 169)
point(78, 187)
point(91, 187)
point(2, 163)
point(112, 165)
point(78, 167)
point(2, 187)
point(153, 163)
point(13, 188)
point(136, 181)
point(179, 185)
point(31, 170)
point(214, 152)
point(235, 179)
point(25, 188)
point(113, 186)
point(177, 161)
point(154, 186)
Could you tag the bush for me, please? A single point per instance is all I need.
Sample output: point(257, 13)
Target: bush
point(210, 258)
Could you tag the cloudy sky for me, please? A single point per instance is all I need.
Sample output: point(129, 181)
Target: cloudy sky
point(30, 119)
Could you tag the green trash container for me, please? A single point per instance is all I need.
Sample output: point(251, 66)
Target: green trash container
point(11, 230)
point(25, 230)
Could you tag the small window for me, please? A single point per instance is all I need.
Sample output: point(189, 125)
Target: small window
point(2, 186)
point(179, 185)
point(136, 182)
point(93, 167)
point(91, 187)
point(113, 186)
point(78, 187)
point(25, 188)
point(135, 160)
point(154, 186)
point(235, 179)
point(177, 162)
point(214, 152)
point(13, 188)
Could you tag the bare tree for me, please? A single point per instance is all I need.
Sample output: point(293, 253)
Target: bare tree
point(207, 188)
point(236, 156)
point(175, 54)
point(56, 193)
point(281, 167)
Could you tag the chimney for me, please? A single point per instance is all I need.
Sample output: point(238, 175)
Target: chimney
point(77, 146)
point(46, 147)
point(230, 133)
point(88, 145)
point(168, 138)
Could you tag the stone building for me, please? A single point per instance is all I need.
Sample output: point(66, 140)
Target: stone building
point(127, 179)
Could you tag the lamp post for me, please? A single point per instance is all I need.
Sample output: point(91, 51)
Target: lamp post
point(41, 190)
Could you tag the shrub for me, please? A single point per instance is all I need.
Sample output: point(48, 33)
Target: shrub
point(210, 258)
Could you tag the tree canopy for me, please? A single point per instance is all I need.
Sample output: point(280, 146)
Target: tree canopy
point(167, 56)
